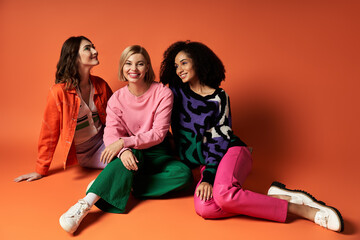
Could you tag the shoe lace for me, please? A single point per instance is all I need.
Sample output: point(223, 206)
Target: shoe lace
point(78, 208)
point(321, 218)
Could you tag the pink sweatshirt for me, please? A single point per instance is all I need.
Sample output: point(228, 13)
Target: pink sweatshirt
point(142, 121)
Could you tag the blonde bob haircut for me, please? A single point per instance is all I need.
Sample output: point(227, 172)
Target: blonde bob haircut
point(149, 76)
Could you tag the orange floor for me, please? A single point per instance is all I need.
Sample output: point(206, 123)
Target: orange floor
point(31, 211)
point(292, 76)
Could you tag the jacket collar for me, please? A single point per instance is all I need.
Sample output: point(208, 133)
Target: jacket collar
point(97, 89)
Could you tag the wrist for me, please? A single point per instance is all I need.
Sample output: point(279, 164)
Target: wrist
point(121, 142)
point(123, 150)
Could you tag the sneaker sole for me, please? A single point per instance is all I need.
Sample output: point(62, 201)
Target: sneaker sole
point(311, 201)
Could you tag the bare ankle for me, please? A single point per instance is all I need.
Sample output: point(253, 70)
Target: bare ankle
point(284, 197)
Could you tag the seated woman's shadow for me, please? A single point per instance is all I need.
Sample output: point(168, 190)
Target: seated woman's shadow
point(78, 171)
point(260, 125)
point(55, 170)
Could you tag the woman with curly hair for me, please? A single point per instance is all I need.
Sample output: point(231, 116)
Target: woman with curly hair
point(201, 125)
point(75, 111)
point(137, 150)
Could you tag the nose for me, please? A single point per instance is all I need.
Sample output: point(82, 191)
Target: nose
point(179, 69)
point(133, 67)
point(93, 51)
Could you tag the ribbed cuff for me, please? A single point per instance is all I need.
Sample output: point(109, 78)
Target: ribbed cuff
point(122, 150)
point(208, 177)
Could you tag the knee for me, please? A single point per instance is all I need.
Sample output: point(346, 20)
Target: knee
point(206, 209)
point(187, 174)
point(202, 211)
point(182, 171)
point(223, 196)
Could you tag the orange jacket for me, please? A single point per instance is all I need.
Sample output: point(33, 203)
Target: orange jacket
point(59, 122)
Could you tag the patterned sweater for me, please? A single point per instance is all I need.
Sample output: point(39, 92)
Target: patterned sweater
point(201, 126)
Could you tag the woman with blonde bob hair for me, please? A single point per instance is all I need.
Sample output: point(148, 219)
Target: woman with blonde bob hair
point(150, 75)
point(137, 152)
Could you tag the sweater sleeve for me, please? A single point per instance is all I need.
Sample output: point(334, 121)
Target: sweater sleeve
point(217, 138)
point(159, 128)
point(115, 128)
point(49, 133)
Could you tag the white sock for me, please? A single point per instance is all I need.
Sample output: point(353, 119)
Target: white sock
point(91, 198)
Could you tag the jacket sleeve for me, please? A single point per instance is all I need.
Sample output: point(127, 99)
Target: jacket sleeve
point(49, 133)
point(160, 128)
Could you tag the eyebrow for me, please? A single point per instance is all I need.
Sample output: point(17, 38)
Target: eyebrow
point(141, 61)
point(184, 59)
point(89, 45)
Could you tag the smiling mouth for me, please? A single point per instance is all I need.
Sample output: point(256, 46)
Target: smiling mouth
point(134, 75)
point(182, 76)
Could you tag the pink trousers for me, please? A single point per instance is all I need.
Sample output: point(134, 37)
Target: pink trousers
point(230, 199)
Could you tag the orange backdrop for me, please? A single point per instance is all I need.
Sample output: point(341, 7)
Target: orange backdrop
point(292, 76)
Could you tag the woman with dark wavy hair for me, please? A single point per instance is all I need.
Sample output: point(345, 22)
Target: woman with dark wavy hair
point(201, 125)
point(75, 111)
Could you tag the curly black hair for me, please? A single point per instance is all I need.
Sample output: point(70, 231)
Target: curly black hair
point(208, 67)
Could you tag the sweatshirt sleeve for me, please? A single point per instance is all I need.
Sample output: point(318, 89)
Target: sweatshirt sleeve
point(160, 127)
point(115, 128)
point(49, 133)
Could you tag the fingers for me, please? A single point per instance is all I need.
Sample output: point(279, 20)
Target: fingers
point(107, 156)
point(134, 162)
point(32, 178)
point(204, 191)
point(205, 194)
point(129, 161)
point(28, 177)
point(102, 156)
point(110, 157)
point(111, 151)
point(209, 193)
point(19, 179)
point(200, 192)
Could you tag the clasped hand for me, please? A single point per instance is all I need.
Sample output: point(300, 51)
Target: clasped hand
point(111, 151)
point(129, 160)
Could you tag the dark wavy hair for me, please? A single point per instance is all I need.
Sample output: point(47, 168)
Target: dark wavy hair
point(208, 67)
point(67, 68)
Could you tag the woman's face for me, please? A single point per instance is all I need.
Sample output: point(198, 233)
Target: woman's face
point(185, 68)
point(135, 68)
point(88, 56)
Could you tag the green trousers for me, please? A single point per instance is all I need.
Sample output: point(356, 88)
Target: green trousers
point(158, 173)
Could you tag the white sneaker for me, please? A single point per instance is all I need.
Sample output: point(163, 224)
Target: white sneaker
point(328, 217)
point(71, 220)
